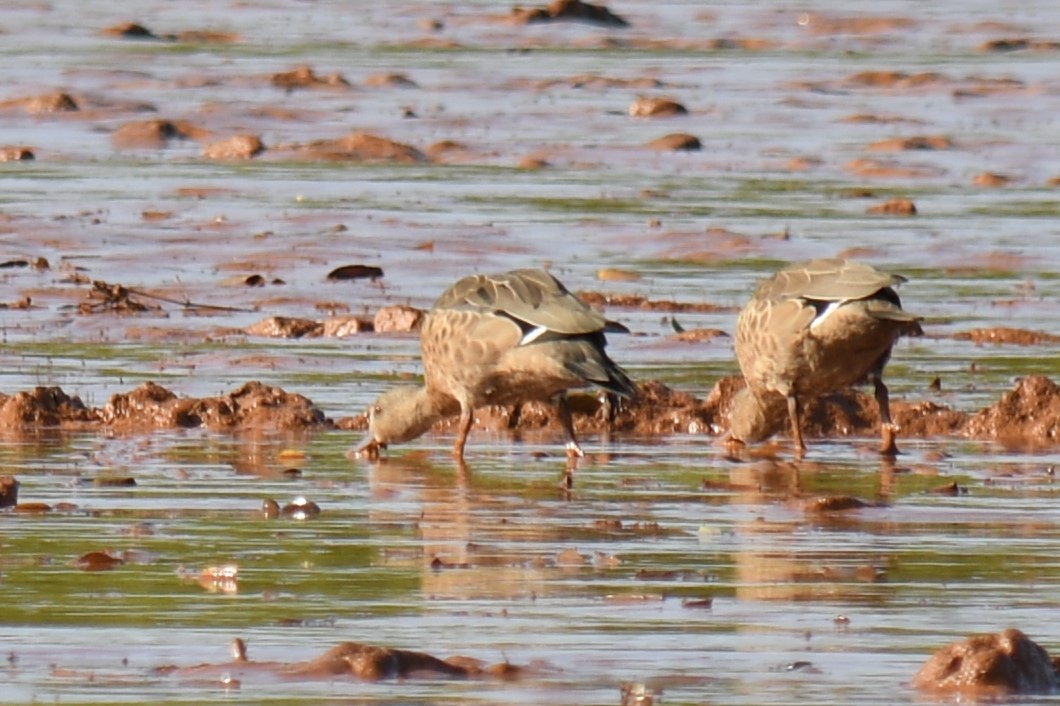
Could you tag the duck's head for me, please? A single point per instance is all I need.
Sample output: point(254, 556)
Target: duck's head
point(752, 420)
point(397, 416)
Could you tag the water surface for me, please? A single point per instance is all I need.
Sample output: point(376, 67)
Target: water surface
point(589, 584)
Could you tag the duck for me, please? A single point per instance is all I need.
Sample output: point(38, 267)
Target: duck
point(499, 339)
point(811, 329)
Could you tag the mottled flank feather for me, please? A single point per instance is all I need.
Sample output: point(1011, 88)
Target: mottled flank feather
point(812, 329)
point(501, 339)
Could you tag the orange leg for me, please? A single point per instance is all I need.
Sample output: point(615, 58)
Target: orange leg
point(796, 426)
point(466, 416)
point(565, 420)
point(888, 429)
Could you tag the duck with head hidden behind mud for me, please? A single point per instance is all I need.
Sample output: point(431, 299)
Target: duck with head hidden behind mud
point(809, 330)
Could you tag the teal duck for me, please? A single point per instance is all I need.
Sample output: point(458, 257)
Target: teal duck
point(500, 339)
point(810, 330)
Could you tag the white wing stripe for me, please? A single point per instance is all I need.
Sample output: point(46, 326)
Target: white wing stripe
point(819, 319)
point(533, 334)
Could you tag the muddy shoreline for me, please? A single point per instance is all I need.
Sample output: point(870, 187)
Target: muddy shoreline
point(1028, 416)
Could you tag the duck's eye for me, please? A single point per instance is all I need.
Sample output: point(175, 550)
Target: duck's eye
point(374, 411)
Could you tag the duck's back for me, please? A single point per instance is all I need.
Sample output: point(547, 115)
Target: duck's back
point(511, 337)
point(820, 326)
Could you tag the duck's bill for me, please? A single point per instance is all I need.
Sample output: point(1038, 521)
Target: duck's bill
point(369, 449)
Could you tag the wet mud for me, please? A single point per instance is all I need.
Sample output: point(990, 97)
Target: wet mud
point(1028, 415)
point(990, 667)
point(349, 659)
point(250, 208)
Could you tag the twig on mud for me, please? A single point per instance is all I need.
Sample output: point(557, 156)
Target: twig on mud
point(116, 297)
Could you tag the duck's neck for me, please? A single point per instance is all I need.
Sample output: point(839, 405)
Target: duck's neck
point(752, 419)
point(428, 408)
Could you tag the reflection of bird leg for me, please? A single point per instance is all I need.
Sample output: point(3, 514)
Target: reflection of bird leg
point(568, 473)
point(796, 428)
point(565, 420)
point(467, 415)
point(462, 474)
point(888, 429)
point(515, 416)
point(886, 478)
point(610, 404)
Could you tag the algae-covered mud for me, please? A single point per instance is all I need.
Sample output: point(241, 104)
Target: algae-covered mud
point(220, 226)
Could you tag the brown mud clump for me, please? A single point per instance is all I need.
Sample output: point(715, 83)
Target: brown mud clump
point(304, 77)
point(895, 207)
point(16, 153)
point(56, 102)
point(569, 10)
point(676, 142)
point(1002, 664)
point(357, 147)
point(155, 134)
point(251, 406)
point(350, 659)
point(235, 148)
point(44, 407)
point(656, 108)
point(1029, 415)
point(641, 303)
point(1005, 335)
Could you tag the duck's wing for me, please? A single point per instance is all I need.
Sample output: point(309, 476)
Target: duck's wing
point(533, 298)
point(828, 280)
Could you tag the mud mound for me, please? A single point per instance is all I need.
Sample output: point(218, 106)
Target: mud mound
point(1001, 335)
point(1028, 415)
point(44, 407)
point(252, 406)
point(152, 406)
point(989, 665)
point(576, 10)
point(360, 661)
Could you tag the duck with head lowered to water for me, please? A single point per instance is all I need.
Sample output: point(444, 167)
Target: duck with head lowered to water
point(499, 339)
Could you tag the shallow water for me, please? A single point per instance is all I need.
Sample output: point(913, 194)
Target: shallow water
point(532, 574)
